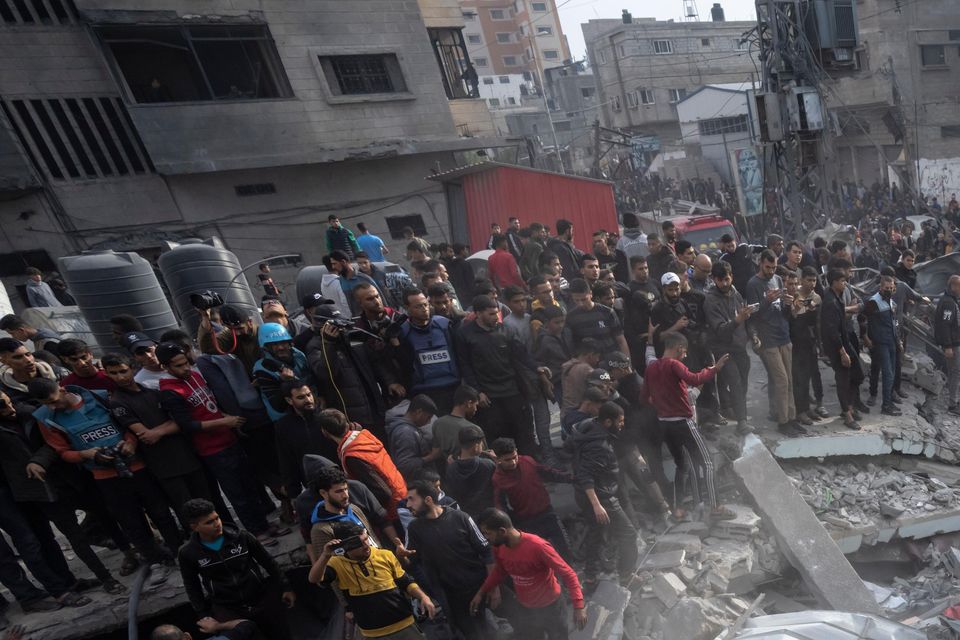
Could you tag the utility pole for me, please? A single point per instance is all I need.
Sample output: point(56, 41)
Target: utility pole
point(792, 112)
point(596, 148)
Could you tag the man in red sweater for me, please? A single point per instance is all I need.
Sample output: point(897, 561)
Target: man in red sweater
point(502, 266)
point(666, 381)
point(533, 566)
point(518, 487)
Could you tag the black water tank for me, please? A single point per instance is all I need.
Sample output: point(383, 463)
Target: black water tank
point(717, 12)
point(195, 266)
point(107, 283)
point(627, 17)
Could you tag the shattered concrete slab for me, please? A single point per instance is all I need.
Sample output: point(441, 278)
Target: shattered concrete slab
point(875, 502)
point(799, 534)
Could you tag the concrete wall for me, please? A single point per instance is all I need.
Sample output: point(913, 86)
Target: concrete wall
point(313, 125)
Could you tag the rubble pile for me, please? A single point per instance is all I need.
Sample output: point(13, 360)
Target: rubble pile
point(939, 579)
point(695, 580)
point(852, 495)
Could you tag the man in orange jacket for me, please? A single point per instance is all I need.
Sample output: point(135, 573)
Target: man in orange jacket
point(364, 458)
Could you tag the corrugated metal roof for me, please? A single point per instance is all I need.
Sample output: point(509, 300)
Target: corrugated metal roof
point(480, 167)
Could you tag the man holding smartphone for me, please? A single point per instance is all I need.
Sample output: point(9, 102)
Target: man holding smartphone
point(771, 340)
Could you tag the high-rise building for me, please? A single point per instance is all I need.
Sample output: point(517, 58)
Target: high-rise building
point(510, 44)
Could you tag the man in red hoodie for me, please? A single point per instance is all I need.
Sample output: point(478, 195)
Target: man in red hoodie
point(192, 405)
point(364, 458)
point(533, 565)
point(666, 381)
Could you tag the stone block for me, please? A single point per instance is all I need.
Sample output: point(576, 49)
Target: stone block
point(695, 528)
point(800, 535)
point(666, 560)
point(605, 610)
point(668, 588)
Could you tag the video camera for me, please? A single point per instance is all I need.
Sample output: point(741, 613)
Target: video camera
point(206, 300)
point(118, 461)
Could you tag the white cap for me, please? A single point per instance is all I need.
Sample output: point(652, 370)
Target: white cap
point(669, 278)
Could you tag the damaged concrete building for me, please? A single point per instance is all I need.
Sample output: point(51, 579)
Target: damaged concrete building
point(126, 124)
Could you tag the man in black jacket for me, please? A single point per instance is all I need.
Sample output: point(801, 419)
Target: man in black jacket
point(946, 331)
point(223, 573)
point(595, 471)
point(298, 434)
point(740, 259)
point(562, 245)
point(455, 555)
point(343, 372)
point(835, 331)
point(490, 360)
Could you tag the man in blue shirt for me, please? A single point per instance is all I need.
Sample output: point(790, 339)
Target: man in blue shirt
point(370, 244)
point(349, 277)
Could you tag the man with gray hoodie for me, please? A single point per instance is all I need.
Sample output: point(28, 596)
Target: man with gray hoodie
point(727, 315)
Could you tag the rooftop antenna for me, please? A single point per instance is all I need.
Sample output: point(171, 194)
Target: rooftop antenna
point(690, 13)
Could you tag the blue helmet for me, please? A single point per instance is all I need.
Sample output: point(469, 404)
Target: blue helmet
point(272, 332)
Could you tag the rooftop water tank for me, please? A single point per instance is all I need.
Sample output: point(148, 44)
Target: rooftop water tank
point(195, 266)
point(108, 283)
point(716, 12)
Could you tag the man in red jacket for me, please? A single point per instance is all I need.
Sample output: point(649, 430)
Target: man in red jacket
point(666, 381)
point(502, 266)
point(192, 405)
point(533, 566)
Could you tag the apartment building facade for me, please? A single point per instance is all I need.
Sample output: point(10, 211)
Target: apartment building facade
point(644, 67)
point(896, 105)
point(125, 124)
point(510, 43)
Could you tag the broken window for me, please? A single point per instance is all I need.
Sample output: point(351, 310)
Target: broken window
point(459, 75)
point(363, 74)
point(196, 63)
point(932, 55)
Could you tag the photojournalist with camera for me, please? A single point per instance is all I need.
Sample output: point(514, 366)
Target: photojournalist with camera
point(80, 427)
point(342, 370)
point(376, 587)
point(238, 335)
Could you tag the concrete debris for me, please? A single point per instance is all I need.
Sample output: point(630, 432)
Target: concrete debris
point(744, 526)
point(668, 588)
point(677, 541)
point(800, 535)
point(695, 619)
point(605, 613)
point(666, 560)
point(934, 583)
point(921, 371)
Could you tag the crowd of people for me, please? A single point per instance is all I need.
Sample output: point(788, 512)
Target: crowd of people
point(404, 425)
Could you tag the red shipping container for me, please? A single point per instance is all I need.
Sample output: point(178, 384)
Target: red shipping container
point(492, 192)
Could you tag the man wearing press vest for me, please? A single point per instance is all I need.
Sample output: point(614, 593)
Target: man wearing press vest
point(79, 425)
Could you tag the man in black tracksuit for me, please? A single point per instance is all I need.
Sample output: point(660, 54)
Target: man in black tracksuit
point(596, 472)
point(223, 573)
point(946, 331)
point(491, 361)
point(452, 551)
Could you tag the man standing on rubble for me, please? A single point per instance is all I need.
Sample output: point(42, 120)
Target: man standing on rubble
point(946, 331)
point(882, 340)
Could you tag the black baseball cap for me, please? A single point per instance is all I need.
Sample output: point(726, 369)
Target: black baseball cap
point(233, 316)
point(167, 351)
point(312, 300)
point(136, 340)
